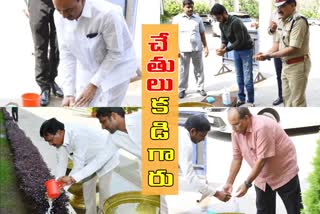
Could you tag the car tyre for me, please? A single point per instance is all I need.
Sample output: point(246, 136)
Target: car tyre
point(270, 112)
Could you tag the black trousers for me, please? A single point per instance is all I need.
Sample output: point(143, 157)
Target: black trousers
point(44, 34)
point(290, 194)
point(14, 112)
point(278, 67)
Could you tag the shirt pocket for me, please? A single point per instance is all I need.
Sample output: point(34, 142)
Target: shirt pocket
point(95, 49)
point(285, 37)
point(252, 150)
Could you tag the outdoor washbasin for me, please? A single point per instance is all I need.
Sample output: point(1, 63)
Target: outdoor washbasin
point(132, 202)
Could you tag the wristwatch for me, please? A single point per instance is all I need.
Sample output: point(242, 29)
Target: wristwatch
point(268, 57)
point(248, 185)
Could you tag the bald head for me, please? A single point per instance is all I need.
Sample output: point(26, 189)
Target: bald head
point(239, 119)
point(69, 9)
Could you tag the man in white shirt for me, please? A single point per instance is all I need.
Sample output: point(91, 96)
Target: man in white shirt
point(97, 57)
point(125, 129)
point(192, 40)
point(194, 131)
point(92, 158)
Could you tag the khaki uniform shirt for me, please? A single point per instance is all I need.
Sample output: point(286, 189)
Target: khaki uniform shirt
point(297, 37)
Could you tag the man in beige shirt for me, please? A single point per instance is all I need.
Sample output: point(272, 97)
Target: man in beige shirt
point(272, 156)
point(292, 45)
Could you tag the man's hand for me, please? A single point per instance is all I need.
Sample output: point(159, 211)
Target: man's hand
point(86, 96)
point(68, 101)
point(273, 26)
point(67, 180)
point(221, 51)
point(222, 196)
point(261, 56)
point(206, 51)
point(227, 188)
point(242, 190)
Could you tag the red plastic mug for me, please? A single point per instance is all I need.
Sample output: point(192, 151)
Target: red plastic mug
point(53, 188)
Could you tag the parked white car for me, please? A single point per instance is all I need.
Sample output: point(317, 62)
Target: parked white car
point(206, 18)
point(289, 118)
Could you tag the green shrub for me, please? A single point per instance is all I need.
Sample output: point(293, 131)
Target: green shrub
point(248, 6)
point(172, 7)
point(311, 197)
point(251, 7)
point(310, 13)
point(201, 8)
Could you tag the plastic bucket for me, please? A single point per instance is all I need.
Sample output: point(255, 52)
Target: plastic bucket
point(30, 100)
point(53, 188)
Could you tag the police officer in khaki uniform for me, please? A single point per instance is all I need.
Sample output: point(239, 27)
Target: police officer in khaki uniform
point(292, 45)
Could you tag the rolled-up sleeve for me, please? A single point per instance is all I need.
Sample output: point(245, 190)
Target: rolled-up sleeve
point(237, 155)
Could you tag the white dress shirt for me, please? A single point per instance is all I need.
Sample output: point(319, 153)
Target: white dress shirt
point(130, 141)
point(90, 152)
point(185, 162)
point(190, 29)
point(105, 60)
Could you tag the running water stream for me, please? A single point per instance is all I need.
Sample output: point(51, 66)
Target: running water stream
point(50, 205)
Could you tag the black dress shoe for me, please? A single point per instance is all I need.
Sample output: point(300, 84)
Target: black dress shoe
point(182, 94)
point(277, 101)
point(240, 103)
point(45, 97)
point(202, 92)
point(56, 90)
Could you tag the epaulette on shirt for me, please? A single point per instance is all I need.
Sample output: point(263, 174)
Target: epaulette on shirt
point(296, 17)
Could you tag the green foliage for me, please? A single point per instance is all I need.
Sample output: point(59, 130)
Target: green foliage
point(228, 4)
point(172, 7)
point(10, 201)
point(248, 6)
point(310, 13)
point(311, 197)
point(251, 7)
point(201, 8)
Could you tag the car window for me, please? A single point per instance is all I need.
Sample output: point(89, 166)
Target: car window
point(245, 19)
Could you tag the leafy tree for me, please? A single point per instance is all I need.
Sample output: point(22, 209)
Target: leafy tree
point(172, 7)
point(251, 7)
point(311, 197)
point(248, 6)
point(310, 13)
point(201, 7)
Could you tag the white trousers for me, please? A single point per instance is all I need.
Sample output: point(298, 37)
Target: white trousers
point(113, 97)
point(89, 192)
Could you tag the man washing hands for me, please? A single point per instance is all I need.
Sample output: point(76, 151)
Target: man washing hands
point(221, 51)
point(270, 153)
